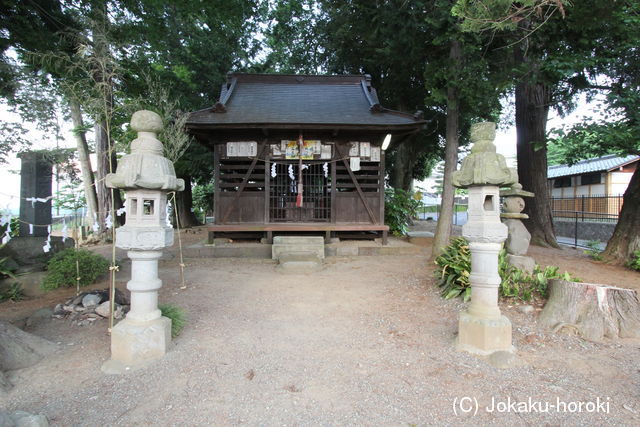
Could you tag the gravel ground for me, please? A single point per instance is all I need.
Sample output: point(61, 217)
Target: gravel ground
point(367, 340)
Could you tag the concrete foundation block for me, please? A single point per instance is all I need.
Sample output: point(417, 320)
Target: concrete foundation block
point(347, 250)
point(135, 344)
point(483, 336)
point(297, 244)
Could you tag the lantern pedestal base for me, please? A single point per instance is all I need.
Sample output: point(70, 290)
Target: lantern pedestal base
point(482, 336)
point(136, 344)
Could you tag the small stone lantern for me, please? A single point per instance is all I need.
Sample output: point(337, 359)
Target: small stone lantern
point(482, 328)
point(518, 238)
point(146, 176)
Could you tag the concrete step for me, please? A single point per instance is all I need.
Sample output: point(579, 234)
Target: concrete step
point(299, 262)
point(292, 245)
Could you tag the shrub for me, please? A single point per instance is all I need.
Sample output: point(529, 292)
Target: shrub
point(177, 316)
point(399, 210)
point(593, 250)
point(4, 270)
point(61, 269)
point(634, 262)
point(455, 268)
point(14, 293)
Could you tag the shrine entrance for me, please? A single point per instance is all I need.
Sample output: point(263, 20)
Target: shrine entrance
point(283, 192)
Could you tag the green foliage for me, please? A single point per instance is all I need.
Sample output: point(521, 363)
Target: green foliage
point(202, 196)
point(14, 293)
point(4, 270)
point(454, 269)
point(15, 227)
point(177, 316)
point(634, 262)
point(399, 210)
point(61, 269)
point(594, 250)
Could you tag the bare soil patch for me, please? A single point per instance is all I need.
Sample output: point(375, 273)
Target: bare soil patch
point(367, 340)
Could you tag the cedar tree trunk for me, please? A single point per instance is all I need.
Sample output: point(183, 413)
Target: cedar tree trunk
point(626, 236)
point(445, 218)
point(401, 175)
point(532, 109)
point(184, 203)
point(85, 161)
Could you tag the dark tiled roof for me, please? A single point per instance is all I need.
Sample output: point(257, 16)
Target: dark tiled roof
point(281, 100)
point(605, 163)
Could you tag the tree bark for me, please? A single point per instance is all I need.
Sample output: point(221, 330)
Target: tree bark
point(592, 311)
point(626, 235)
point(445, 218)
point(401, 175)
point(532, 109)
point(184, 203)
point(85, 161)
point(105, 152)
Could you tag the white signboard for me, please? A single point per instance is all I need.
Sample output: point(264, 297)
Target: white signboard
point(242, 149)
point(354, 149)
point(326, 152)
point(375, 154)
point(365, 149)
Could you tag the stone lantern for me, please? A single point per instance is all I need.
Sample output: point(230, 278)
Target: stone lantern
point(518, 238)
point(482, 328)
point(146, 176)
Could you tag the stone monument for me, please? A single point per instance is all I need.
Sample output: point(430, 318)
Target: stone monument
point(146, 176)
point(482, 329)
point(518, 237)
point(35, 193)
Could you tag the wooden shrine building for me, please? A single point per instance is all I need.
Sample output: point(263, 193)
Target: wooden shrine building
point(299, 153)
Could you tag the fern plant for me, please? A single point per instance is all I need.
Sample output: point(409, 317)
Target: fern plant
point(177, 316)
point(634, 262)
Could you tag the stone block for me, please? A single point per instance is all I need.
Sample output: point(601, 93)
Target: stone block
point(297, 244)
point(300, 262)
point(518, 239)
point(347, 250)
point(483, 336)
point(523, 263)
point(144, 238)
point(135, 344)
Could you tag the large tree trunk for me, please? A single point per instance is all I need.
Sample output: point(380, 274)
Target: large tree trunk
point(184, 202)
point(532, 109)
point(445, 218)
point(626, 236)
point(401, 175)
point(592, 311)
point(85, 161)
point(103, 81)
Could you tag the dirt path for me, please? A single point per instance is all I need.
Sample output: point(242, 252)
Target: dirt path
point(367, 340)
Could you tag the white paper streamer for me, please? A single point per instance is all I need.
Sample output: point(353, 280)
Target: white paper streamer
point(30, 228)
point(33, 200)
point(305, 167)
point(291, 173)
point(354, 163)
point(47, 243)
point(325, 168)
point(96, 226)
point(65, 235)
point(122, 210)
point(108, 221)
point(273, 171)
point(167, 215)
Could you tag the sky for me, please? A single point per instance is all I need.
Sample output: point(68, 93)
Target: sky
point(506, 136)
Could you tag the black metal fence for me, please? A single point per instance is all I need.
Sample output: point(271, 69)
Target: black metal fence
point(584, 219)
point(587, 208)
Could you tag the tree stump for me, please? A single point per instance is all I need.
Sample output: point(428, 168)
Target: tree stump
point(593, 311)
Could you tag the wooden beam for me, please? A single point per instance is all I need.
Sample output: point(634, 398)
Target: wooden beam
point(357, 185)
point(244, 183)
point(216, 182)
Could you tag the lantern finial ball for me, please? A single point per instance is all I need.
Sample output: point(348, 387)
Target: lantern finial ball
point(146, 121)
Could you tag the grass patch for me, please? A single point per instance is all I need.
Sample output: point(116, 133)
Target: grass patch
point(177, 316)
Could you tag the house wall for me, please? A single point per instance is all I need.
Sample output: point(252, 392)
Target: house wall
point(618, 182)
